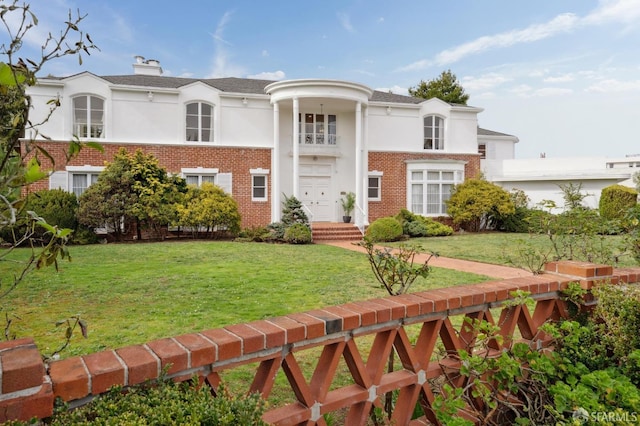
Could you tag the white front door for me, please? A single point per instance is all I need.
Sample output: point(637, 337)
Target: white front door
point(314, 193)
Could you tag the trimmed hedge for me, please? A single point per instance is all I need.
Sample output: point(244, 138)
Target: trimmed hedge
point(616, 200)
point(384, 229)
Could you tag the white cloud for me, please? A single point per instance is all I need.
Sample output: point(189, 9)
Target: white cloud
point(624, 11)
point(551, 91)
point(561, 23)
point(273, 75)
point(222, 66)
point(484, 82)
point(345, 21)
point(380, 20)
point(398, 90)
point(611, 85)
point(559, 79)
point(265, 53)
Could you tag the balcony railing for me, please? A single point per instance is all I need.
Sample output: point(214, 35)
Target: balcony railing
point(360, 335)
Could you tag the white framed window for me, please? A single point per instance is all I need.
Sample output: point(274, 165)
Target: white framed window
point(317, 129)
point(433, 132)
point(259, 184)
point(430, 185)
point(198, 175)
point(199, 122)
point(374, 188)
point(88, 116)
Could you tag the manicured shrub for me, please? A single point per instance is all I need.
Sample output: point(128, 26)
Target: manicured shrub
point(476, 203)
point(165, 403)
point(209, 208)
point(437, 229)
point(297, 234)
point(415, 225)
point(254, 233)
point(616, 200)
point(384, 229)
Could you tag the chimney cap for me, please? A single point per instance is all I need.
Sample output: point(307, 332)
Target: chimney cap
point(139, 59)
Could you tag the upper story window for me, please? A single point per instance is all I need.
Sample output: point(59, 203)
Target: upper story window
point(88, 116)
point(482, 150)
point(317, 129)
point(433, 132)
point(199, 122)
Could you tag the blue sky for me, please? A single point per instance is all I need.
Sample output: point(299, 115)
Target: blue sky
point(563, 76)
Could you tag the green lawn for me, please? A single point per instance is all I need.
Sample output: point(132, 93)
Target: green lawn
point(134, 293)
point(494, 247)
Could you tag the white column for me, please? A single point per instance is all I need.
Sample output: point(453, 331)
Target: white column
point(275, 166)
point(358, 182)
point(365, 166)
point(296, 149)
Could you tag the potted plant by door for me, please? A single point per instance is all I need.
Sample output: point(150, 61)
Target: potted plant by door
point(348, 204)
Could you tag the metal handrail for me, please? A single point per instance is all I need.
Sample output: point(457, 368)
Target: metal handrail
point(361, 218)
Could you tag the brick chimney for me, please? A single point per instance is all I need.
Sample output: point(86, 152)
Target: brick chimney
point(146, 67)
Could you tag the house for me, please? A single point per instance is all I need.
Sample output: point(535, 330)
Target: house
point(315, 139)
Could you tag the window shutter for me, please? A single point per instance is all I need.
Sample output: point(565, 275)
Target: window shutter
point(224, 182)
point(59, 180)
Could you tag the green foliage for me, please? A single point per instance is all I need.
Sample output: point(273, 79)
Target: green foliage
point(293, 214)
point(395, 269)
point(57, 207)
point(255, 233)
point(632, 235)
point(133, 188)
point(475, 204)
point(209, 208)
point(384, 229)
point(297, 234)
point(593, 369)
point(415, 225)
point(348, 203)
point(165, 403)
point(293, 211)
point(446, 87)
point(616, 200)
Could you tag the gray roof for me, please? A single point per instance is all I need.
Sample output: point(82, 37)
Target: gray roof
point(486, 132)
point(227, 84)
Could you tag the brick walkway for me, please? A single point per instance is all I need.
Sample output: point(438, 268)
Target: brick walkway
point(487, 269)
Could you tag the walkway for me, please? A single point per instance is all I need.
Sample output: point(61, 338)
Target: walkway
point(487, 269)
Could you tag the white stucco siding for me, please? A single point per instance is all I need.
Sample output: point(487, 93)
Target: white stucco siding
point(55, 126)
point(461, 133)
point(401, 130)
point(245, 125)
point(134, 118)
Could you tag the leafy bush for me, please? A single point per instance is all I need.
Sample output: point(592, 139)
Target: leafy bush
point(209, 208)
point(297, 234)
point(475, 204)
point(415, 225)
point(384, 229)
point(56, 206)
point(616, 200)
point(255, 233)
point(165, 403)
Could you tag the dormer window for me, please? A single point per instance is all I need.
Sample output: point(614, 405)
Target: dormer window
point(433, 132)
point(88, 116)
point(199, 122)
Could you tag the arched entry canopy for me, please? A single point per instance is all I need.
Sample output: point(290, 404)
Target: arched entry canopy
point(333, 97)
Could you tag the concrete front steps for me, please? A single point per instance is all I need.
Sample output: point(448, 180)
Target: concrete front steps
point(330, 231)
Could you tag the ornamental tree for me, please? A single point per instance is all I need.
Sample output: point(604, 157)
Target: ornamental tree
point(445, 87)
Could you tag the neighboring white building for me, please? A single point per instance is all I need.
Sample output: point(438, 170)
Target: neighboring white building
point(542, 178)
